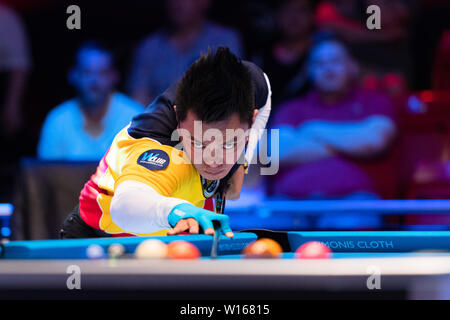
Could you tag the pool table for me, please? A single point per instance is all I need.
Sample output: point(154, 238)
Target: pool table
point(364, 264)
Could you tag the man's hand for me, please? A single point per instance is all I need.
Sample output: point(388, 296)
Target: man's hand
point(187, 217)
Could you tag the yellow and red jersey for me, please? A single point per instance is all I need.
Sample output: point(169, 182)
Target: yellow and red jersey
point(162, 167)
point(144, 151)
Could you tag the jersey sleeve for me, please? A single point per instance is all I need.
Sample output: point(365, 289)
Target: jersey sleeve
point(260, 84)
point(161, 167)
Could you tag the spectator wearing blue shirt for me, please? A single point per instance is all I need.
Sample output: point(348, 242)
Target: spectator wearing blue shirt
point(84, 127)
point(162, 57)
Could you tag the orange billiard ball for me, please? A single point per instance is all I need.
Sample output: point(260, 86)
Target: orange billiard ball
point(313, 250)
point(263, 248)
point(183, 250)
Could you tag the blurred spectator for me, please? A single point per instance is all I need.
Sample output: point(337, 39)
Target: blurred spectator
point(325, 135)
point(284, 60)
point(14, 65)
point(162, 57)
point(378, 51)
point(84, 127)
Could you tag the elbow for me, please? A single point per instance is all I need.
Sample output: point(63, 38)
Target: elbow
point(119, 214)
point(381, 142)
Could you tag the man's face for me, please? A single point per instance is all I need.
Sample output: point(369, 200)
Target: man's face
point(331, 68)
point(94, 77)
point(213, 148)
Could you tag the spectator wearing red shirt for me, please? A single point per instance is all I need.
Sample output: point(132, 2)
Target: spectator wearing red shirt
point(328, 134)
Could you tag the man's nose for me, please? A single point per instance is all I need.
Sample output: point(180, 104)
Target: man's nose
point(214, 157)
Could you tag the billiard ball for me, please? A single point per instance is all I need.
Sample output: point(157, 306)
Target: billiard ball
point(313, 250)
point(183, 250)
point(151, 249)
point(94, 251)
point(263, 248)
point(116, 250)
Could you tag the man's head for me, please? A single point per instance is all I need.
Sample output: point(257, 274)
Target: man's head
point(331, 67)
point(183, 13)
point(296, 18)
point(93, 74)
point(215, 106)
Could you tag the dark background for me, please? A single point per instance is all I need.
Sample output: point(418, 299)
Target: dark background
point(122, 24)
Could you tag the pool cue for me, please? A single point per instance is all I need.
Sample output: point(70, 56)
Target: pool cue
point(220, 208)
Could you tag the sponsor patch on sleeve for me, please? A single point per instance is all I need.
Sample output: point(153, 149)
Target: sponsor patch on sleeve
point(154, 159)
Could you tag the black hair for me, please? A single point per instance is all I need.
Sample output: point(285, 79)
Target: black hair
point(214, 87)
point(94, 45)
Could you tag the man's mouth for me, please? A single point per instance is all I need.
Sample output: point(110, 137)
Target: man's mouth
point(214, 172)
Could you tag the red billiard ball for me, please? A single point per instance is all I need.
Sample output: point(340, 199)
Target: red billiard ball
point(313, 250)
point(183, 250)
point(263, 248)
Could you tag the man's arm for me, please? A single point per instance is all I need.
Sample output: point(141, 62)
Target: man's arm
point(138, 208)
point(298, 146)
point(363, 138)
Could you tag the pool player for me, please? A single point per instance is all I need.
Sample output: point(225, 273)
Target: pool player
point(163, 168)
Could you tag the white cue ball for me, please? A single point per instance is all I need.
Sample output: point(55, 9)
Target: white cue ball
point(94, 251)
point(116, 250)
point(151, 249)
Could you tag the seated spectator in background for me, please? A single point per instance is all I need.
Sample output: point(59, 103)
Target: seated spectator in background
point(378, 51)
point(14, 67)
point(84, 127)
point(284, 61)
point(325, 135)
point(164, 56)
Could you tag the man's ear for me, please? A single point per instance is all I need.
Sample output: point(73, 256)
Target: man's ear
point(255, 113)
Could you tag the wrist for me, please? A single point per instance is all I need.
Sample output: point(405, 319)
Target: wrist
point(181, 211)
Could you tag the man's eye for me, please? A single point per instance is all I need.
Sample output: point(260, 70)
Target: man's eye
point(229, 145)
point(198, 145)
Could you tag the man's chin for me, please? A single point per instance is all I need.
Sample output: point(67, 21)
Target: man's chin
point(211, 176)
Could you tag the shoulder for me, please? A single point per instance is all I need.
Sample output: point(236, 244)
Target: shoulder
point(294, 105)
point(371, 94)
point(151, 42)
point(8, 16)
point(289, 111)
point(376, 102)
point(64, 112)
point(126, 103)
point(147, 145)
point(260, 83)
point(155, 156)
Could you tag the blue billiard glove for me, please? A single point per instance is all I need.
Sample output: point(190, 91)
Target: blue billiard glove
point(204, 217)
